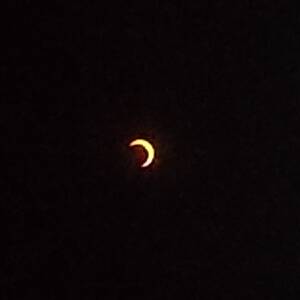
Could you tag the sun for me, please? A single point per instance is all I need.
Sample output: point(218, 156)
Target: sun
point(148, 148)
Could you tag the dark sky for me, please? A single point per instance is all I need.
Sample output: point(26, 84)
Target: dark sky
point(215, 87)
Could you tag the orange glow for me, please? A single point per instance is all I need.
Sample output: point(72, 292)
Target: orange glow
point(148, 148)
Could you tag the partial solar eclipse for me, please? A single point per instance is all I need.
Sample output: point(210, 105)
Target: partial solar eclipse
point(147, 147)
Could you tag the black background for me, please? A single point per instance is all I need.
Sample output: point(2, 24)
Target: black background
point(215, 87)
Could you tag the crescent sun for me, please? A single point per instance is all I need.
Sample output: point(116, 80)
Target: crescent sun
point(149, 149)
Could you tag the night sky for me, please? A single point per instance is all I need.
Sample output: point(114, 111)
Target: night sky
point(215, 87)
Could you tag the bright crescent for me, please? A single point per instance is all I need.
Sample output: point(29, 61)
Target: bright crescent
point(149, 149)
